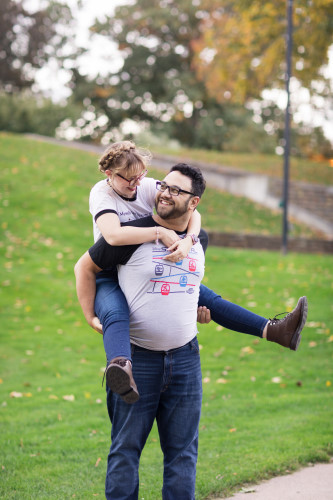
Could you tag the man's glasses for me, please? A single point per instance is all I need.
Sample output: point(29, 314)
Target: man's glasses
point(173, 190)
point(134, 180)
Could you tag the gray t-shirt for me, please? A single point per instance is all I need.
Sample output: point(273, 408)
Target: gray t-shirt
point(162, 295)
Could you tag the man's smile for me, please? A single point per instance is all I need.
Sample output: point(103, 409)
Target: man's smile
point(165, 202)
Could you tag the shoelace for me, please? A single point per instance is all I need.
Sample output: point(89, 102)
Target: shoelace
point(104, 374)
point(276, 319)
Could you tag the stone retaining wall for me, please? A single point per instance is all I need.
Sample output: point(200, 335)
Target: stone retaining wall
point(316, 199)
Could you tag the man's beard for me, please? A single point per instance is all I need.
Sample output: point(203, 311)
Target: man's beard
point(170, 211)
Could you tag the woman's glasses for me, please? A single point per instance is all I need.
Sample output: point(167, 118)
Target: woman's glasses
point(134, 180)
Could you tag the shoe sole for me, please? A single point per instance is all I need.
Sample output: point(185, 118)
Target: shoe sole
point(297, 337)
point(118, 381)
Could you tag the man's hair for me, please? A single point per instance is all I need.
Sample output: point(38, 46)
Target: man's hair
point(195, 174)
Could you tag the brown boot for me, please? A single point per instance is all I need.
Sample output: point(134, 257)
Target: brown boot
point(120, 380)
point(287, 331)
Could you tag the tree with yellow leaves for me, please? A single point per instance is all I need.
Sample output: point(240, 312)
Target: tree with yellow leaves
point(242, 46)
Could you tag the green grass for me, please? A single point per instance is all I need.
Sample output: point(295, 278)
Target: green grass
point(251, 427)
point(305, 170)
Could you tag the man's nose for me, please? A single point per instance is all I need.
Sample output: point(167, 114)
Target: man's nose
point(167, 192)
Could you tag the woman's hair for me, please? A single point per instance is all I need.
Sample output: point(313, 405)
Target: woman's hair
point(124, 155)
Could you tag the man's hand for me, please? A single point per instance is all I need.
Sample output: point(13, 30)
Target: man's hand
point(96, 325)
point(203, 315)
point(179, 250)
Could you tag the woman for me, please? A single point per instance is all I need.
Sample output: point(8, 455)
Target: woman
point(127, 194)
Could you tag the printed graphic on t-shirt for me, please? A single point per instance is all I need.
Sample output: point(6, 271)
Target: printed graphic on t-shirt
point(173, 277)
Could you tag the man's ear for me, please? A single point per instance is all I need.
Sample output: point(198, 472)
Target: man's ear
point(194, 202)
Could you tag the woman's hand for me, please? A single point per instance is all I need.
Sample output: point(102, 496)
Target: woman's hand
point(96, 325)
point(179, 250)
point(167, 236)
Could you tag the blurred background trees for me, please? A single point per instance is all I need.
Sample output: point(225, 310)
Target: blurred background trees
point(28, 41)
point(205, 73)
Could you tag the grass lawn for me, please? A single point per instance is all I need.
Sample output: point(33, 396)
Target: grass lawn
point(301, 169)
point(265, 409)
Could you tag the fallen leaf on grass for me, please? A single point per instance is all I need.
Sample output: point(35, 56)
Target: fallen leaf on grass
point(313, 344)
point(15, 394)
point(233, 429)
point(98, 461)
point(53, 396)
point(247, 350)
point(328, 383)
point(69, 397)
point(206, 380)
point(221, 381)
point(276, 380)
point(218, 353)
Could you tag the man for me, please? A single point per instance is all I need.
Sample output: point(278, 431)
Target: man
point(162, 297)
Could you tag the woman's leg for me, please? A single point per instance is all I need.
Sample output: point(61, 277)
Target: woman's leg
point(231, 315)
point(112, 310)
point(285, 331)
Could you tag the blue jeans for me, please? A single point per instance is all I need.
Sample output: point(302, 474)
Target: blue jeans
point(112, 310)
point(170, 390)
point(231, 315)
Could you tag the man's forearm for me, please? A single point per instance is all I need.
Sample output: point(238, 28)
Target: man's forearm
point(86, 286)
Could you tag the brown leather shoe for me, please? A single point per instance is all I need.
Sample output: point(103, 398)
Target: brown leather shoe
point(287, 331)
point(120, 379)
